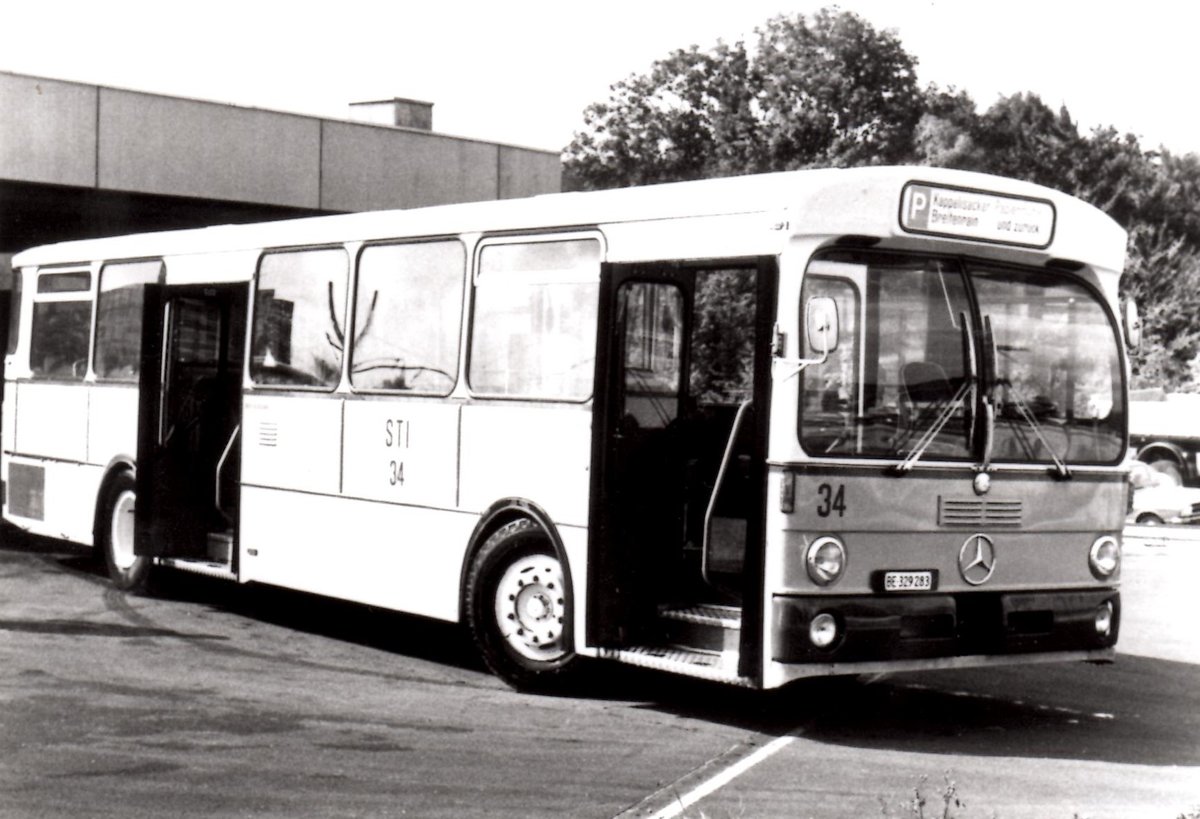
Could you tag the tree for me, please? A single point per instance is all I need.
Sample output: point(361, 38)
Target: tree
point(825, 91)
point(831, 91)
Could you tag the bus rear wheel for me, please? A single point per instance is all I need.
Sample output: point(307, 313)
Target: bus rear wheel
point(518, 608)
point(128, 571)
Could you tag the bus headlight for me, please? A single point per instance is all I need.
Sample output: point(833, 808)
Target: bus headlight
point(825, 560)
point(1104, 557)
point(823, 630)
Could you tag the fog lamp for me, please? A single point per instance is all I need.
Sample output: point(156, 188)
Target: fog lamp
point(1104, 557)
point(823, 630)
point(1104, 618)
point(825, 560)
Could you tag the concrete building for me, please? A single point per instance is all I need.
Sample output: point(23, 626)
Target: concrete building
point(80, 160)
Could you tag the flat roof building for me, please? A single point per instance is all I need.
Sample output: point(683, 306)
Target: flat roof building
point(80, 161)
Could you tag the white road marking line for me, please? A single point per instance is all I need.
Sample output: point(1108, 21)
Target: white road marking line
point(724, 776)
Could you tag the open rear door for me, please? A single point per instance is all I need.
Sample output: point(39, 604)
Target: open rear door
point(188, 416)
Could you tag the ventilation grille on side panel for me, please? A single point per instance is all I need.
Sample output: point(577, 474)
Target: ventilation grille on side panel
point(268, 433)
point(979, 512)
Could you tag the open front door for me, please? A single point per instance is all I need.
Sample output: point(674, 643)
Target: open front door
point(188, 419)
point(679, 443)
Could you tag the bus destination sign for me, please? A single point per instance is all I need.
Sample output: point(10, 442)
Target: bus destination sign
point(970, 214)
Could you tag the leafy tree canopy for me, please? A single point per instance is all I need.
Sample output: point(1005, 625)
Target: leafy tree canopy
point(832, 91)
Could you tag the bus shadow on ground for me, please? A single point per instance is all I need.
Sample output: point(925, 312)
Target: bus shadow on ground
point(408, 635)
point(1136, 711)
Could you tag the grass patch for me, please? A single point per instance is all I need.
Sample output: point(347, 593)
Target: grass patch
point(944, 803)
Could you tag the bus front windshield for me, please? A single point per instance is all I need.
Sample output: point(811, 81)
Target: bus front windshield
point(936, 354)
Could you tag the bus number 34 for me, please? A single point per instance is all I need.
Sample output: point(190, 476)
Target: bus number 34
point(396, 473)
point(831, 500)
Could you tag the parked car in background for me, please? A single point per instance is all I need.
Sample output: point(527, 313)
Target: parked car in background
point(1164, 432)
point(1157, 499)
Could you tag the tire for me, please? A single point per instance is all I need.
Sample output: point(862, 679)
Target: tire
point(1170, 468)
point(518, 607)
point(1149, 519)
point(128, 572)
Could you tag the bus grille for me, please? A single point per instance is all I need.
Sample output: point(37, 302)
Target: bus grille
point(979, 512)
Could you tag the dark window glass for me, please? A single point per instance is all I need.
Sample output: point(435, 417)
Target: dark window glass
point(76, 282)
point(722, 357)
point(652, 315)
point(58, 346)
point(119, 318)
point(901, 363)
point(897, 367)
point(1057, 363)
point(14, 316)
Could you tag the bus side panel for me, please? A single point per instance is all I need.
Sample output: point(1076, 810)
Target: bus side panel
point(112, 423)
point(539, 453)
point(404, 558)
point(401, 451)
point(52, 420)
point(44, 497)
point(292, 442)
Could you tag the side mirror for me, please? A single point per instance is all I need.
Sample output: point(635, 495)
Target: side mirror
point(1133, 324)
point(821, 321)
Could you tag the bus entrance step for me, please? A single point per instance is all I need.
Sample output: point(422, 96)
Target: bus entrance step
point(704, 627)
point(207, 568)
point(220, 547)
point(707, 665)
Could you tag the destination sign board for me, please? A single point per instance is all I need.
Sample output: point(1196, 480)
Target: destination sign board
point(971, 214)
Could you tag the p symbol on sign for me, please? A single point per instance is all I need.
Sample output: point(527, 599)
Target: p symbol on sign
point(917, 203)
point(917, 215)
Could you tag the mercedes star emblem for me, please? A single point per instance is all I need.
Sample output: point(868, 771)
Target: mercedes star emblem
point(977, 559)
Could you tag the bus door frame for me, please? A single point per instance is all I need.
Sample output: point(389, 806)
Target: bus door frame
point(614, 616)
point(169, 522)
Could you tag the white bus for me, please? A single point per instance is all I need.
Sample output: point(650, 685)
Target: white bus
point(749, 429)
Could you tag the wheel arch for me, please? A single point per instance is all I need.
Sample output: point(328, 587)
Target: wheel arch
point(116, 466)
point(499, 514)
point(1149, 452)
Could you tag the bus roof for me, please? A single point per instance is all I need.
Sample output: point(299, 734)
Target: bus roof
point(816, 202)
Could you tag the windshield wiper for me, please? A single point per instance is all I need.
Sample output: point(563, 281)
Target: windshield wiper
point(1061, 470)
point(946, 411)
point(1022, 406)
point(932, 432)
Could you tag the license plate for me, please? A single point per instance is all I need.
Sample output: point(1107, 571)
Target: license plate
point(907, 581)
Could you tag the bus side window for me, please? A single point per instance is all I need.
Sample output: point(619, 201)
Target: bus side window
point(119, 318)
point(407, 317)
point(830, 397)
point(62, 322)
point(299, 318)
point(653, 321)
point(534, 323)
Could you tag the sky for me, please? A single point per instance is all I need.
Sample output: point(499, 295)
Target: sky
point(523, 72)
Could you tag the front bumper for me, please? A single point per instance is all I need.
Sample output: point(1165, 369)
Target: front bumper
point(877, 627)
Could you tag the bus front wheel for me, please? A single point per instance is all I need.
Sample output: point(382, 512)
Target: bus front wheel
point(128, 571)
point(518, 605)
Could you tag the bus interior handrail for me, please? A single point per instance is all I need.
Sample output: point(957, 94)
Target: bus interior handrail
point(716, 490)
point(221, 468)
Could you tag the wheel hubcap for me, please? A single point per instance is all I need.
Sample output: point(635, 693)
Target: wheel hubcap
point(531, 607)
point(121, 533)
